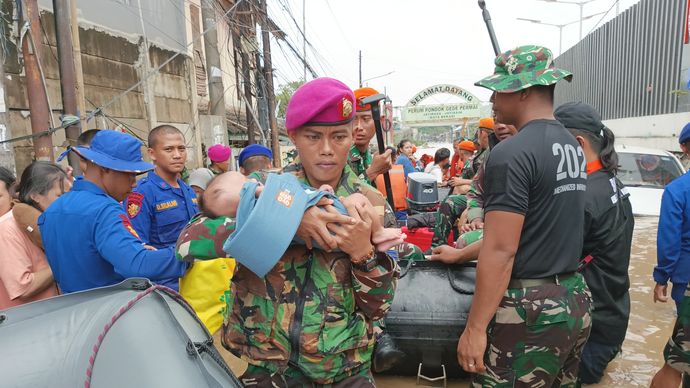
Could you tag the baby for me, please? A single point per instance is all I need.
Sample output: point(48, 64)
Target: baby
point(222, 198)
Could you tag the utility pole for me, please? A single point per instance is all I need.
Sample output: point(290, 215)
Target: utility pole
point(360, 68)
point(246, 75)
point(270, 93)
point(76, 53)
point(261, 95)
point(245, 20)
point(68, 82)
point(38, 99)
point(147, 85)
point(213, 70)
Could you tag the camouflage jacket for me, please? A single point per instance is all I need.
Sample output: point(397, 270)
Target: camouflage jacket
point(359, 163)
point(313, 311)
point(475, 196)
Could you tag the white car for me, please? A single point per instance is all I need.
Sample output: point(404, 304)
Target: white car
point(645, 172)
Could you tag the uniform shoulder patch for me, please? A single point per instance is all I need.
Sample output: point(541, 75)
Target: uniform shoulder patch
point(134, 202)
point(128, 226)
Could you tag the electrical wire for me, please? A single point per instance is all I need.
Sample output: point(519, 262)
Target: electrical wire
point(159, 67)
point(603, 16)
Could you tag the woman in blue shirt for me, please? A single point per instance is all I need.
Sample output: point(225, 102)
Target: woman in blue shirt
point(405, 158)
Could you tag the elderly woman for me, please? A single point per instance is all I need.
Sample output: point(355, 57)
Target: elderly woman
point(25, 275)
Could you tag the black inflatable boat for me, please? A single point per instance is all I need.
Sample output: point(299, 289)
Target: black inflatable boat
point(429, 312)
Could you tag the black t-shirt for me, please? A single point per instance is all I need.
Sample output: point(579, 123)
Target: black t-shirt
point(540, 173)
point(609, 224)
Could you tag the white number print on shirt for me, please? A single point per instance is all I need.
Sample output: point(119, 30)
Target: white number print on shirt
point(572, 165)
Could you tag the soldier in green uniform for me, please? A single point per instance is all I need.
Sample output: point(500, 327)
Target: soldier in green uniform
point(310, 321)
point(531, 313)
point(469, 243)
point(365, 165)
point(452, 207)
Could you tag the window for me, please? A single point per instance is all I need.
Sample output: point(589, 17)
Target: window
point(646, 170)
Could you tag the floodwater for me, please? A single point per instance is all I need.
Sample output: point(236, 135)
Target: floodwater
point(649, 329)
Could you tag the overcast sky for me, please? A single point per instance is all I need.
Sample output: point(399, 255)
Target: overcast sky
point(422, 42)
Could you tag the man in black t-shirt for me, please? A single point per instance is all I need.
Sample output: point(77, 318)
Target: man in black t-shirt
point(608, 230)
point(529, 296)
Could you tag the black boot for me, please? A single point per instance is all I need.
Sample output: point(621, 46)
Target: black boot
point(386, 354)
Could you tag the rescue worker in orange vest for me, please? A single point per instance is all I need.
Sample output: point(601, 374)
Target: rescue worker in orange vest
point(398, 184)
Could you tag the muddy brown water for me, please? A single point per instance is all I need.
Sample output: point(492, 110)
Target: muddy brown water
point(649, 328)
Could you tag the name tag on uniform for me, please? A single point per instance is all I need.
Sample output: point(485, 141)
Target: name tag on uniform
point(166, 205)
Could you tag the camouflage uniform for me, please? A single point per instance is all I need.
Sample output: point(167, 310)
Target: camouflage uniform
point(446, 216)
point(311, 318)
point(677, 351)
point(541, 330)
point(475, 196)
point(359, 163)
point(453, 206)
point(473, 165)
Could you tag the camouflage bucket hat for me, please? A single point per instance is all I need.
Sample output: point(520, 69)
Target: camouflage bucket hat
point(522, 68)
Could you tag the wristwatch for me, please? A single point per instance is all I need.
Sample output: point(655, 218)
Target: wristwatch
point(368, 263)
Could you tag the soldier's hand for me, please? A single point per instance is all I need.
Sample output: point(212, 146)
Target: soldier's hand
point(660, 293)
point(380, 163)
point(354, 239)
point(477, 223)
point(445, 254)
point(471, 348)
point(314, 225)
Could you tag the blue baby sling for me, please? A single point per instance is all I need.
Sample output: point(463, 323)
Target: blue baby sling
point(265, 227)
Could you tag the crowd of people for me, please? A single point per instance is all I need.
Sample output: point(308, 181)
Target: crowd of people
point(534, 198)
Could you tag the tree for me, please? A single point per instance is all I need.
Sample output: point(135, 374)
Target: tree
point(284, 94)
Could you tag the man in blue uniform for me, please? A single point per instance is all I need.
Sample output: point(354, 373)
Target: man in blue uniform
point(673, 241)
point(87, 237)
point(162, 204)
point(673, 263)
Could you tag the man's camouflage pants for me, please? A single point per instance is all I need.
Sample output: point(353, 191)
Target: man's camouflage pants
point(447, 214)
point(677, 351)
point(537, 336)
point(259, 377)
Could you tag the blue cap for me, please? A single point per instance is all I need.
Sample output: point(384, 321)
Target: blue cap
point(254, 150)
point(684, 134)
point(116, 151)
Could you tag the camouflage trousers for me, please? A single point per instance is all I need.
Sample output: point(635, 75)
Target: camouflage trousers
point(259, 377)
point(407, 251)
point(537, 336)
point(677, 351)
point(446, 216)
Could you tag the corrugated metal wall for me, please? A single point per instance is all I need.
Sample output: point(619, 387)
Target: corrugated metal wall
point(629, 66)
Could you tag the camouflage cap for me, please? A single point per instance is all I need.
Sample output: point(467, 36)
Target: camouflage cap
point(523, 67)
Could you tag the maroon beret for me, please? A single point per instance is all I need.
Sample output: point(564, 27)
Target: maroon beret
point(322, 101)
